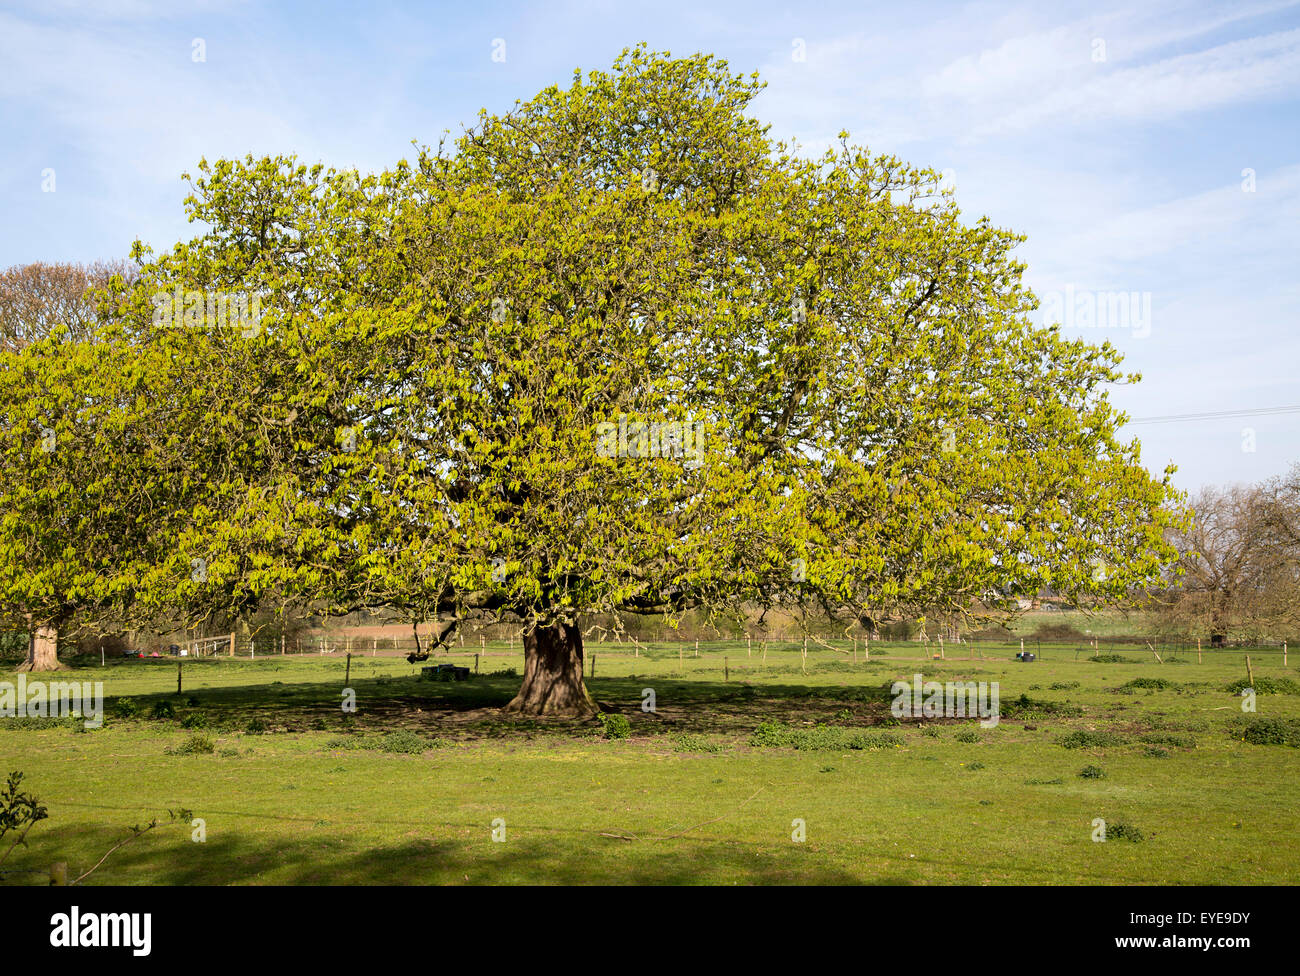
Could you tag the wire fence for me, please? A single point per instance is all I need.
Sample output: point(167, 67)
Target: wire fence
point(509, 643)
point(487, 654)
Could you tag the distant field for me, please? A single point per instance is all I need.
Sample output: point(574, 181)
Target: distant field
point(297, 792)
point(1103, 624)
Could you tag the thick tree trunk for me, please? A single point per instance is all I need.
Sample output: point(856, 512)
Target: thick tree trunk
point(42, 651)
point(553, 675)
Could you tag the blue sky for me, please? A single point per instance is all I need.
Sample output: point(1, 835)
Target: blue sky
point(1152, 155)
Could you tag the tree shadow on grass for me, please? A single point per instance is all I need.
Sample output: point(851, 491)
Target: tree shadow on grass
point(471, 709)
point(531, 855)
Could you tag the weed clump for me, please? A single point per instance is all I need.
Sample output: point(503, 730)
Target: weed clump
point(615, 726)
point(1081, 739)
point(126, 708)
point(1025, 707)
point(1170, 739)
point(1270, 731)
point(195, 745)
point(162, 710)
point(820, 737)
point(1156, 684)
point(690, 742)
point(1266, 686)
point(1120, 830)
point(403, 741)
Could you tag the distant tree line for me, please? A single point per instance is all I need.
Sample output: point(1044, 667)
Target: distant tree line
point(1238, 568)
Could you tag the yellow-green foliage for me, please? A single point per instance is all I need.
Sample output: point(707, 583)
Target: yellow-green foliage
point(416, 420)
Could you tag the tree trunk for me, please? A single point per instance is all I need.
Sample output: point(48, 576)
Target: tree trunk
point(42, 650)
point(553, 675)
point(1219, 626)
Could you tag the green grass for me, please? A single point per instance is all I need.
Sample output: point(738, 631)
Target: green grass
point(705, 790)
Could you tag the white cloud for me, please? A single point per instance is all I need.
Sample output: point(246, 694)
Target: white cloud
point(1044, 75)
point(1257, 68)
point(1226, 223)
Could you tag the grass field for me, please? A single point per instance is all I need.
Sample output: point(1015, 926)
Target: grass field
point(407, 789)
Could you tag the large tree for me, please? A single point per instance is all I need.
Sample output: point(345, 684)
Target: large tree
point(439, 413)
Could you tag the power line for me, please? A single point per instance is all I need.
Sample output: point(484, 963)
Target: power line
point(1214, 415)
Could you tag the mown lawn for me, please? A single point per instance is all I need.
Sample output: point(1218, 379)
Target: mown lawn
point(295, 791)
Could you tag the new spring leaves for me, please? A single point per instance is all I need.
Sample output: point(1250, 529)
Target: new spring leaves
point(682, 439)
point(461, 357)
point(213, 310)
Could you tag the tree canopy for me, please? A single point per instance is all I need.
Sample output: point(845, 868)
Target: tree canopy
point(616, 350)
